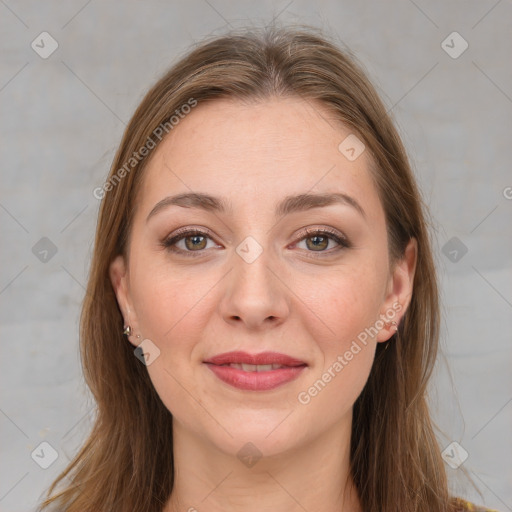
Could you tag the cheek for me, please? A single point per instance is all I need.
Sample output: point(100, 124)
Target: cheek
point(344, 301)
point(334, 388)
point(347, 307)
point(170, 309)
point(172, 312)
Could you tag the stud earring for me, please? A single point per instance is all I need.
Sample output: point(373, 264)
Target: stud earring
point(394, 324)
point(128, 331)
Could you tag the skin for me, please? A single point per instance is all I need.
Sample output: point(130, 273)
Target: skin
point(287, 301)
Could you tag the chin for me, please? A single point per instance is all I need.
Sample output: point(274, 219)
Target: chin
point(257, 443)
point(273, 431)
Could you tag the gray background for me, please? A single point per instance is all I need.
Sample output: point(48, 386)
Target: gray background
point(62, 118)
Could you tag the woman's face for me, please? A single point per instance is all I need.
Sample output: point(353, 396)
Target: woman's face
point(254, 280)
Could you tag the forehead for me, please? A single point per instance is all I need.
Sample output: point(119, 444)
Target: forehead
point(258, 152)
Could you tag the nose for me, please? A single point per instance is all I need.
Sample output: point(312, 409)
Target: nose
point(255, 294)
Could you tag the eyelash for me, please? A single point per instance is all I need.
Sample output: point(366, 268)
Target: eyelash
point(341, 240)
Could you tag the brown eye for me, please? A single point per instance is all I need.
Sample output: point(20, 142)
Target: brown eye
point(318, 240)
point(317, 243)
point(193, 242)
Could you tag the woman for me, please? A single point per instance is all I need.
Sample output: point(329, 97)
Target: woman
point(261, 318)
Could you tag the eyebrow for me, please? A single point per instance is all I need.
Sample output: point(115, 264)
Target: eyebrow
point(290, 204)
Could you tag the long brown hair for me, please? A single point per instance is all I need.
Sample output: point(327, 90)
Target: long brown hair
point(395, 459)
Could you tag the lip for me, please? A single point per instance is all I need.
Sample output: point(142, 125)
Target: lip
point(240, 357)
point(253, 380)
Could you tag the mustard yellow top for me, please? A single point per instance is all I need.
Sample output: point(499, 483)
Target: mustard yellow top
point(471, 507)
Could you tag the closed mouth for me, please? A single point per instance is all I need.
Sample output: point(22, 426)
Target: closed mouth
point(255, 372)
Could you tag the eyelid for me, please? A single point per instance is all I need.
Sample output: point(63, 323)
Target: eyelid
point(191, 230)
point(336, 234)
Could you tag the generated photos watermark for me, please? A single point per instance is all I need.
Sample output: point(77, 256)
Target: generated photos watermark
point(342, 360)
point(158, 133)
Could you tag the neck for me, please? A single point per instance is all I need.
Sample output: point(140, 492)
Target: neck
point(312, 477)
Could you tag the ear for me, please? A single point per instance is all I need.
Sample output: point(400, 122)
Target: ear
point(119, 278)
point(399, 290)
